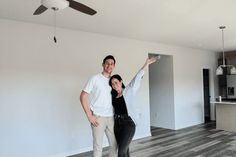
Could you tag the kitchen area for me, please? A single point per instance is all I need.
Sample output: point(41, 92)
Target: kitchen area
point(225, 103)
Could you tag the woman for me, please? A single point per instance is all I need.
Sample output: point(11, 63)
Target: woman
point(122, 101)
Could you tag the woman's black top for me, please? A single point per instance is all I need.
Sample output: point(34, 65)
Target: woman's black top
point(119, 106)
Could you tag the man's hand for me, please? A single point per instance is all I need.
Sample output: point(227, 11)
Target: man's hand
point(93, 120)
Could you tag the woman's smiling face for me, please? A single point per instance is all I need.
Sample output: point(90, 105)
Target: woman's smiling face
point(116, 84)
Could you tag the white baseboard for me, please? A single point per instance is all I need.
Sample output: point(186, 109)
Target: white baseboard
point(86, 149)
point(72, 152)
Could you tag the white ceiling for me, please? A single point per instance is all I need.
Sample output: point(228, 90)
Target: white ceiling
point(189, 23)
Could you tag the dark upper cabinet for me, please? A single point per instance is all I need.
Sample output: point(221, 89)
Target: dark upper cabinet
point(230, 59)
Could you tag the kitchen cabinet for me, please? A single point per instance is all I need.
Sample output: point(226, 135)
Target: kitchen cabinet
point(230, 59)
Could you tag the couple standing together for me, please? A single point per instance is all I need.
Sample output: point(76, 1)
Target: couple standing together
point(109, 107)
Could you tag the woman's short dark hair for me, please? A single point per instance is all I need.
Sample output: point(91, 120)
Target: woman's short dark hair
point(109, 57)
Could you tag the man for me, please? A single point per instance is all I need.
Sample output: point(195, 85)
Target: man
point(100, 110)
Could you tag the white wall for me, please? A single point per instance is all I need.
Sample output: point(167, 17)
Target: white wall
point(161, 84)
point(188, 86)
point(40, 82)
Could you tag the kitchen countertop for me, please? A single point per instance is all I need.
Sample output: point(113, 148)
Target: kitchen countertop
point(224, 102)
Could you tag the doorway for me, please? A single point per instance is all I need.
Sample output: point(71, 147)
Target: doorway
point(206, 88)
point(161, 91)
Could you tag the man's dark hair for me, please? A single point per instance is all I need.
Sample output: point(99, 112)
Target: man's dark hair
point(109, 57)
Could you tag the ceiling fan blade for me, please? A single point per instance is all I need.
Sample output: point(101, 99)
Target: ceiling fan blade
point(81, 7)
point(40, 10)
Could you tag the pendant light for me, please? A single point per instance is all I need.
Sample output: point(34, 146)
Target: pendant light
point(219, 70)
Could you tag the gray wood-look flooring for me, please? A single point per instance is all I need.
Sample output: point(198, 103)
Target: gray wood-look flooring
point(197, 141)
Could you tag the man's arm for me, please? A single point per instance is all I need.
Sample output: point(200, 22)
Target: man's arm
point(84, 102)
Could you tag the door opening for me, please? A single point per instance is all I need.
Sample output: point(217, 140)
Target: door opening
point(206, 88)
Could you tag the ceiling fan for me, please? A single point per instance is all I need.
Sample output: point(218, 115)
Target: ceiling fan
point(61, 4)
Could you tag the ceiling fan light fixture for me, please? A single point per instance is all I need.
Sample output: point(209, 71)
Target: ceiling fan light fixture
point(62, 4)
point(58, 4)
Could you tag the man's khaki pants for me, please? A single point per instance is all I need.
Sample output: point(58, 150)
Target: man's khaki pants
point(106, 124)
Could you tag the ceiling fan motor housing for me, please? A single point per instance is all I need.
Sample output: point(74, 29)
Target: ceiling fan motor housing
point(58, 4)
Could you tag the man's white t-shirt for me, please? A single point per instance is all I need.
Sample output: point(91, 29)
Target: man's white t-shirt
point(99, 95)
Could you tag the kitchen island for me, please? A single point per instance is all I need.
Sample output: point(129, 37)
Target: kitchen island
point(226, 116)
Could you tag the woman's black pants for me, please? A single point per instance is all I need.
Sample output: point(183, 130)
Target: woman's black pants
point(124, 132)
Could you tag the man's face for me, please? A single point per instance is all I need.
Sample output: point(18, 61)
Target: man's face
point(108, 66)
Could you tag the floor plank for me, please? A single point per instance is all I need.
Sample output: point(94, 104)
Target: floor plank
point(198, 141)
